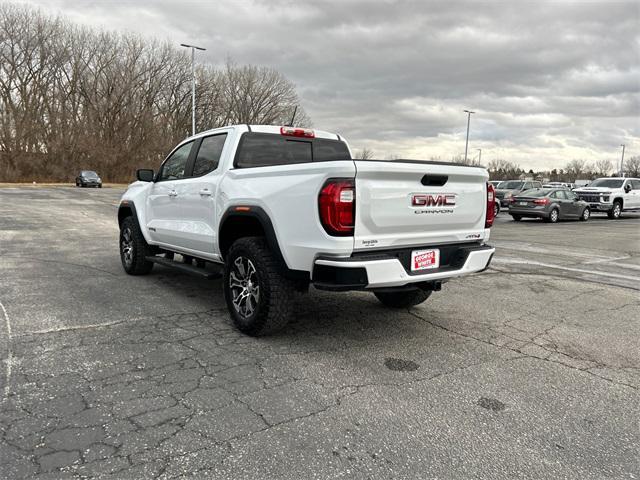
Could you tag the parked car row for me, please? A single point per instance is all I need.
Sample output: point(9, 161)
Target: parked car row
point(556, 200)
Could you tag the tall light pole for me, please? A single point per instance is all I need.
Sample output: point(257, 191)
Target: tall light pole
point(466, 145)
point(193, 84)
point(479, 156)
point(622, 161)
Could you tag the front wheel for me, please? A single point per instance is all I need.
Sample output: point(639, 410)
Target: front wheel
point(259, 298)
point(615, 211)
point(516, 218)
point(134, 248)
point(496, 209)
point(409, 298)
point(586, 213)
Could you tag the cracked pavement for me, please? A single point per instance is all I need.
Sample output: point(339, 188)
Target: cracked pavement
point(525, 371)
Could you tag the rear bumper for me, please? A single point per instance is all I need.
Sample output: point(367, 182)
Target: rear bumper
point(386, 269)
point(539, 212)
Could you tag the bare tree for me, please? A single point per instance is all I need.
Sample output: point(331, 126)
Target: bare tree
point(73, 98)
point(632, 166)
point(602, 167)
point(364, 154)
point(576, 168)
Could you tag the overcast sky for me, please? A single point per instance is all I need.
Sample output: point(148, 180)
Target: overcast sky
point(550, 81)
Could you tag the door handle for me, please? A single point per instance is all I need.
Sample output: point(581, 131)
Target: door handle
point(172, 193)
point(205, 192)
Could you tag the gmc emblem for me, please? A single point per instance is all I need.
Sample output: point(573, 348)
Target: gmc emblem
point(427, 200)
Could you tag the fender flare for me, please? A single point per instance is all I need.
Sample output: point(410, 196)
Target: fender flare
point(125, 209)
point(270, 235)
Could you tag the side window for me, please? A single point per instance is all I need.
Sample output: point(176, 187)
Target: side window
point(325, 150)
point(537, 185)
point(209, 154)
point(527, 186)
point(563, 195)
point(174, 167)
point(635, 184)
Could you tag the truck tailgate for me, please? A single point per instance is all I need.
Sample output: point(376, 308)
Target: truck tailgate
point(413, 203)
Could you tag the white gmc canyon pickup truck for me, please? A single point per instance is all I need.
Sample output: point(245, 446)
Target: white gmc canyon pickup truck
point(283, 208)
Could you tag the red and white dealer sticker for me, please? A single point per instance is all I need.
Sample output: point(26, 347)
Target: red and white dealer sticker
point(425, 259)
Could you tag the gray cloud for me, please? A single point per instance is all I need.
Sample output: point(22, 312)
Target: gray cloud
point(550, 81)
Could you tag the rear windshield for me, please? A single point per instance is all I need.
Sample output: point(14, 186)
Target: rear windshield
point(536, 192)
point(606, 183)
point(265, 149)
point(510, 185)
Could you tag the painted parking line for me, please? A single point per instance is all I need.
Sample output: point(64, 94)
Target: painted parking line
point(9, 360)
point(514, 261)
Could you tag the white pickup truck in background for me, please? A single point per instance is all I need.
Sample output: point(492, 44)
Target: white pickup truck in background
point(613, 195)
point(283, 208)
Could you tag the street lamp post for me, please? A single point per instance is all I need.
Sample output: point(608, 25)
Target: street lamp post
point(622, 161)
point(193, 84)
point(479, 156)
point(466, 145)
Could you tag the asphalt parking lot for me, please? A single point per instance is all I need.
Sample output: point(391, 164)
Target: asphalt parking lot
point(530, 370)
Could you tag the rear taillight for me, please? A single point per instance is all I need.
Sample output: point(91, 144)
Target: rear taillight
point(491, 205)
point(337, 206)
point(541, 201)
point(297, 132)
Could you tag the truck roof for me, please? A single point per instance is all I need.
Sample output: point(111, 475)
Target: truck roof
point(275, 129)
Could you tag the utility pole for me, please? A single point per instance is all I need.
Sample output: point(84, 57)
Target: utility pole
point(193, 84)
point(479, 156)
point(466, 145)
point(622, 161)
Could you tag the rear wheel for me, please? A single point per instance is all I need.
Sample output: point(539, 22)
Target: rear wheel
point(496, 209)
point(259, 298)
point(516, 218)
point(616, 211)
point(409, 298)
point(553, 216)
point(134, 248)
point(586, 213)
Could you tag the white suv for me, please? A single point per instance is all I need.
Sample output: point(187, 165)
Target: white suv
point(613, 195)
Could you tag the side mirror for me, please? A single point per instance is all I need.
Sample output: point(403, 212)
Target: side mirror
point(145, 174)
point(627, 188)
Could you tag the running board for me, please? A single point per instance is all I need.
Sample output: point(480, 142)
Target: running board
point(184, 267)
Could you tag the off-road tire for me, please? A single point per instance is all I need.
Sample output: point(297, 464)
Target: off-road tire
point(137, 265)
point(615, 211)
point(276, 292)
point(406, 299)
point(516, 218)
point(585, 215)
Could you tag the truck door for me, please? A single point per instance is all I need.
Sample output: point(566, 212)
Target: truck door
point(163, 205)
point(198, 204)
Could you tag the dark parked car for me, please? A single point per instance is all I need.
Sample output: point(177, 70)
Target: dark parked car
point(550, 204)
point(88, 178)
point(511, 188)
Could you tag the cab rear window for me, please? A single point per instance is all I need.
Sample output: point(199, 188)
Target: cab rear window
point(264, 149)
